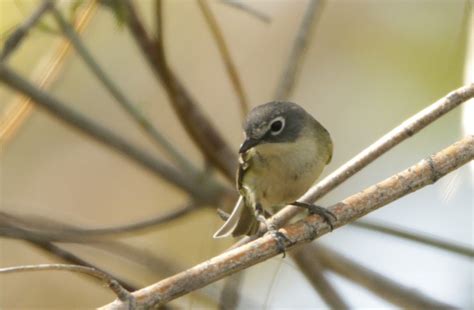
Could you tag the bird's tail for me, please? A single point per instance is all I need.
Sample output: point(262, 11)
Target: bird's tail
point(242, 221)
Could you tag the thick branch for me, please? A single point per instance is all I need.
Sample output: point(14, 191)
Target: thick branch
point(397, 135)
point(424, 173)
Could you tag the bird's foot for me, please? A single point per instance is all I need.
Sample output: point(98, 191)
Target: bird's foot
point(327, 215)
point(276, 234)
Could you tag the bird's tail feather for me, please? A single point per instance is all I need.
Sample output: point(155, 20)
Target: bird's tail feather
point(242, 221)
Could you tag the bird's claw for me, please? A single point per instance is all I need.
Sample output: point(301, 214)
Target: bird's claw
point(276, 234)
point(280, 239)
point(327, 215)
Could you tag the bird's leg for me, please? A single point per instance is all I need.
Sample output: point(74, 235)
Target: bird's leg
point(327, 215)
point(272, 229)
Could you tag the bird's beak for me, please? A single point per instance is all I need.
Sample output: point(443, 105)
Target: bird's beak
point(248, 144)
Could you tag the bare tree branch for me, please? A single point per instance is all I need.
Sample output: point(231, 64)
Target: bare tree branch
point(248, 9)
point(225, 54)
point(288, 78)
point(69, 257)
point(424, 173)
point(404, 297)
point(415, 236)
point(204, 134)
point(46, 229)
point(132, 109)
point(113, 284)
point(314, 272)
point(202, 191)
point(14, 39)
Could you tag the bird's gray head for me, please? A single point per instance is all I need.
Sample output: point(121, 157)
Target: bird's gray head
point(273, 122)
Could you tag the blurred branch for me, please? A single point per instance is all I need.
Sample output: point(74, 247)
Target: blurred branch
point(197, 125)
point(404, 297)
point(415, 236)
point(131, 108)
point(225, 54)
point(159, 33)
point(288, 78)
point(113, 284)
point(16, 37)
point(230, 294)
point(46, 229)
point(397, 135)
point(415, 177)
point(201, 191)
point(312, 269)
point(69, 257)
point(248, 9)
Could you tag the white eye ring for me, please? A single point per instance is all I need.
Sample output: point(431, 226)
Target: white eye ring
point(275, 129)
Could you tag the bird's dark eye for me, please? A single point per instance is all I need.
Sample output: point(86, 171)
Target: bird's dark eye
point(277, 125)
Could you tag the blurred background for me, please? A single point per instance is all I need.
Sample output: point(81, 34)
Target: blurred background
point(368, 66)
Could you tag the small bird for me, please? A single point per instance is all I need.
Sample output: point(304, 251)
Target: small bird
point(284, 152)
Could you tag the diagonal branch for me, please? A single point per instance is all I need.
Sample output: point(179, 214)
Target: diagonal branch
point(199, 190)
point(289, 76)
point(207, 138)
point(415, 236)
point(225, 54)
point(397, 294)
point(113, 284)
point(417, 176)
point(14, 40)
point(397, 135)
point(144, 123)
point(69, 257)
point(313, 270)
point(249, 10)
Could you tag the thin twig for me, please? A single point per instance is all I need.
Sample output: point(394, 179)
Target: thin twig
point(289, 76)
point(248, 9)
point(132, 109)
point(424, 173)
point(16, 37)
point(415, 236)
point(396, 293)
point(208, 139)
point(202, 191)
point(71, 258)
point(314, 272)
point(397, 135)
point(113, 284)
point(225, 54)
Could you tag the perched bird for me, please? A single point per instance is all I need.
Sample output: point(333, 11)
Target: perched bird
point(284, 152)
